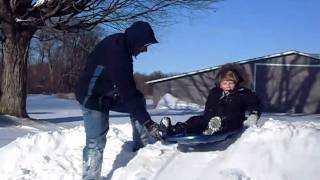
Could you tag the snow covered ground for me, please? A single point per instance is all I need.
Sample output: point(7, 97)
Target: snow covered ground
point(282, 147)
point(170, 102)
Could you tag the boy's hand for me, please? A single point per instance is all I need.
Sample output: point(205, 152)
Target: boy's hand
point(154, 129)
point(251, 120)
point(214, 125)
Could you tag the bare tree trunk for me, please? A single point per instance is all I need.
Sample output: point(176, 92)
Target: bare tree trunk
point(14, 75)
point(51, 74)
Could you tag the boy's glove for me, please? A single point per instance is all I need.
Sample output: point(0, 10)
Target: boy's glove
point(214, 125)
point(251, 120)
point(154, 129)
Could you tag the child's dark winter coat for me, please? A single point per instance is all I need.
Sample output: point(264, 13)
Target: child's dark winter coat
point(230, 108)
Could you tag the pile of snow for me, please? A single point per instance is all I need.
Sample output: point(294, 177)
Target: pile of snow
point(58, 155)
point(170, 102)
point(277, 150)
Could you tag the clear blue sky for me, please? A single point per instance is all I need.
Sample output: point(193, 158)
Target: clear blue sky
point(238, 30)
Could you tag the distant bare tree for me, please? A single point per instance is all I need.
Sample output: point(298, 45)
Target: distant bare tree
point(58, 60)
point(141, 79)
point(1, 60)
point(20, 19)
point(72, 55)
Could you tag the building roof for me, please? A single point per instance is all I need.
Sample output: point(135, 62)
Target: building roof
point(312, 55)
point(317, 56)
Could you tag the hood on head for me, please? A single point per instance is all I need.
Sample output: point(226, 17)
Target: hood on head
point(139, 34)
point(237, 69)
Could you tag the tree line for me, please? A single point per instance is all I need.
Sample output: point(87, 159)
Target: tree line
point(57, 59)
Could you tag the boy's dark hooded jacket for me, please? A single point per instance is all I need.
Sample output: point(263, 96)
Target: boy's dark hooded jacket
point(108, 76)
point(231, 108)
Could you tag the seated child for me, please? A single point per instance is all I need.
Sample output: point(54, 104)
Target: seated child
point(225, 108)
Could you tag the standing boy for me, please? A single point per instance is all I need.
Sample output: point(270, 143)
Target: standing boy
point(107, 84)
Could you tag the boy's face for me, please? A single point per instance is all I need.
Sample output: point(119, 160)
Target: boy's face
point(227, 85)
point(141, 50)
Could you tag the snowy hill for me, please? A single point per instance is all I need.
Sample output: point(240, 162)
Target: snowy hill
point(282, 147)
point(256, 155)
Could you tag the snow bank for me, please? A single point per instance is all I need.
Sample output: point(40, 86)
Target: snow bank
point(57, 155)
point(50, 155)
point(170, 102)
point(278, 150)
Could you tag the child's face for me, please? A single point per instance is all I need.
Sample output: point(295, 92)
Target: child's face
point(227, 85)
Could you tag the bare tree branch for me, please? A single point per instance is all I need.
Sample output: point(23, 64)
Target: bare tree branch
point(68, 15)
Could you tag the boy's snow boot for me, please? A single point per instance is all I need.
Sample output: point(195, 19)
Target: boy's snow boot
point(179, 128)
point(214, 125)
point(165, 125)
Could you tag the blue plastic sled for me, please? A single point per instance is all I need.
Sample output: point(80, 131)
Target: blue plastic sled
point(201, 139)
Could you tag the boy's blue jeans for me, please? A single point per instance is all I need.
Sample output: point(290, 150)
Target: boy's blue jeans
point(96, 124)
